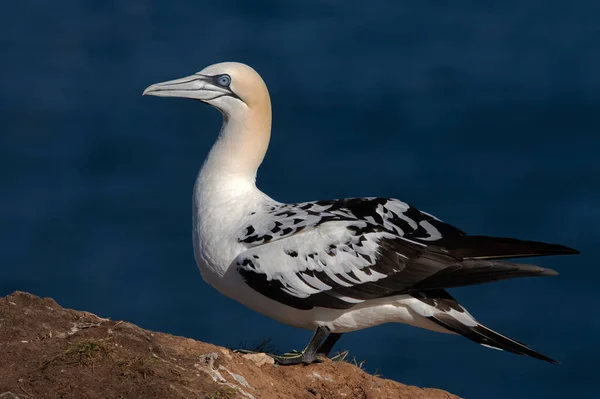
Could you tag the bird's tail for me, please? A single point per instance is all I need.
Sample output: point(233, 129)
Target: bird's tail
point(490, 338)
point(450, 315)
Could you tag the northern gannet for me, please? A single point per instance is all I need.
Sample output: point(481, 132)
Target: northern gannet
point(331, 266)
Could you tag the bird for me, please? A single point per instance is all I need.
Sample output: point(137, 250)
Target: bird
point(330, 266)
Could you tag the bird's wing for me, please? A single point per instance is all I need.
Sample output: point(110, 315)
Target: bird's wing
point(399, 218)
point(336, 264)
point(339, 253)
point(340, 264)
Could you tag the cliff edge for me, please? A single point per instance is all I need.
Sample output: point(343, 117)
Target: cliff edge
point(50, 352)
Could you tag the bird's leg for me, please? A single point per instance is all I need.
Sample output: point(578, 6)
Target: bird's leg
point(308, 355)
point(328, 344)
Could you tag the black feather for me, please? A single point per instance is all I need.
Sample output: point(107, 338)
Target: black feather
point(483, 247)
point(483, 335)
point(470, 272)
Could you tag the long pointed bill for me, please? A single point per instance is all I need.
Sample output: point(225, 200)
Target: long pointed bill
point(199, 87)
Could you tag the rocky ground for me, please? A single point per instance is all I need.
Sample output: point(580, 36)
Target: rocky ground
point(50, 352)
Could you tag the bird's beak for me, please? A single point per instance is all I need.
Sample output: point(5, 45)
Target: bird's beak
point(196, 86)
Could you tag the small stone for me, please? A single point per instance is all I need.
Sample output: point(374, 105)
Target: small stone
point(320, 377)
point(225, 353)
point(209, 359)
point(260, 359)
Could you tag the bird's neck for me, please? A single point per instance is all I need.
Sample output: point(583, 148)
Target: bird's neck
point(225, 191)
point(240, 148)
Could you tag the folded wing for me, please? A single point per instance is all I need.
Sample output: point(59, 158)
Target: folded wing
point(340, 263)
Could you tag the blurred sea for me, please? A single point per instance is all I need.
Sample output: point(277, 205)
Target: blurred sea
point(487, 115)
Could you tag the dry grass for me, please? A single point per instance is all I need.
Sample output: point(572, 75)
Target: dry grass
point(344, 356)
point(82, 353)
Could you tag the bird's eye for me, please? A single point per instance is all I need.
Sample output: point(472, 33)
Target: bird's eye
point(224, 80)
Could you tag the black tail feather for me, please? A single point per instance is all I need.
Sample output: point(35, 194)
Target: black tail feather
point(483, 247)
point(487, 337)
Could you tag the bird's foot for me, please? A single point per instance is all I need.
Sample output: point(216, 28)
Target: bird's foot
point(308, 355)
point(289, 359)
point(286, 359)
point(244, 351)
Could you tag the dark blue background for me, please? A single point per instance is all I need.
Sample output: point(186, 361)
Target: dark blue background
point(487, 116)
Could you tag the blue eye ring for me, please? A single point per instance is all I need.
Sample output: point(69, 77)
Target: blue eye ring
point(224, 80)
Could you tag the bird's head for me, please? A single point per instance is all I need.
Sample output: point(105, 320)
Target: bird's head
point(230, 87)
point(241, 95)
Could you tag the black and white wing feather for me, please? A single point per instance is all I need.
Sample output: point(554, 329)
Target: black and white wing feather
point(339, 253)
point(394, 216)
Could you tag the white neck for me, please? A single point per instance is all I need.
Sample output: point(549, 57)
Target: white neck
point(230, 167)
point(225, 191)
point(238, 151)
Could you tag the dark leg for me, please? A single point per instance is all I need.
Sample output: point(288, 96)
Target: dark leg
point(308, 355)
point(327, 346)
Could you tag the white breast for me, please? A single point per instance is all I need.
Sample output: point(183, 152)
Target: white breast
point(219, 211)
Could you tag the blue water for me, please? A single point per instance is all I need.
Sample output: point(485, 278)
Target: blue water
point(486, 115)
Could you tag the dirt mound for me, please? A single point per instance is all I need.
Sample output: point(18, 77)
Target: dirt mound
point(50, 352)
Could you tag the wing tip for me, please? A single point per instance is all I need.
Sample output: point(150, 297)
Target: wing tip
point(571, 251)
point(549, 272)
point(488, 247)
point(564, 250)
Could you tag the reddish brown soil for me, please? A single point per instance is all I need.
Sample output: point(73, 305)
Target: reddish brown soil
point(50, 352)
